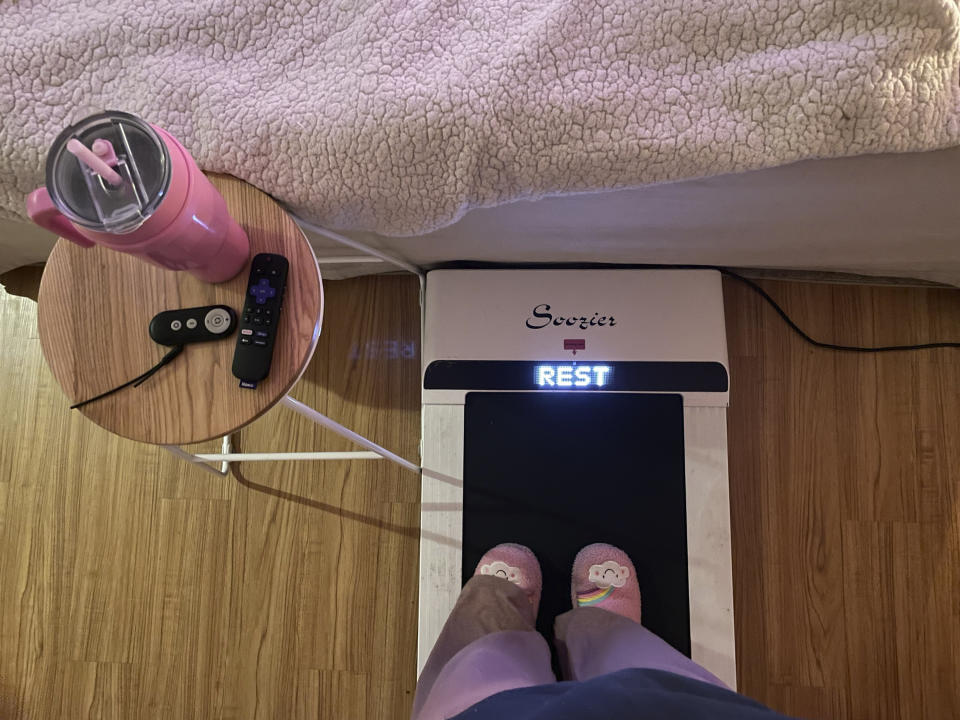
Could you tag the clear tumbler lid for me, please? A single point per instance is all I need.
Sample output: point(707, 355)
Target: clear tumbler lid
point(86, 198)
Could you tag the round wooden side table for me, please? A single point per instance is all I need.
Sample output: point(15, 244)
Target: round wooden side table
point(95, 306)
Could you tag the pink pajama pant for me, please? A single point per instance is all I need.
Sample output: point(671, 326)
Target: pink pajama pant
point(489, 645)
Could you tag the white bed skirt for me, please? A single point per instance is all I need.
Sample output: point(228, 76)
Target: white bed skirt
point(891, 215)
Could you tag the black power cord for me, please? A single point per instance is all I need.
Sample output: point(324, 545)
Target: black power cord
point(817, 343)
point(137, 381)
point(169, 357)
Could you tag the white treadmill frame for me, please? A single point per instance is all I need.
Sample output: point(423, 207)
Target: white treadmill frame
point(680, 318)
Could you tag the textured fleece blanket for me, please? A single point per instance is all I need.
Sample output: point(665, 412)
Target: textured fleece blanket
point(400, 115)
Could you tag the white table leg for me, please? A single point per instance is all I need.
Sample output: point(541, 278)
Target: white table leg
point(321, 419)
point(203, 461)
point(373, 452)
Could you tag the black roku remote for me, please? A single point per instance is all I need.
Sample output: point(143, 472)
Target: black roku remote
point(258, 321)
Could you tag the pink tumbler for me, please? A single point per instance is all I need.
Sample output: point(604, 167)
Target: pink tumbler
point(117, 181)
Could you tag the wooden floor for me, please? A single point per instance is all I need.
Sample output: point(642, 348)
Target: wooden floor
point(135, 586)
point(845, 502)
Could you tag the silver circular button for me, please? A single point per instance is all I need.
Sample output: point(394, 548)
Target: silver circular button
point(191, 324)
point(176, 325)
point(217, 320)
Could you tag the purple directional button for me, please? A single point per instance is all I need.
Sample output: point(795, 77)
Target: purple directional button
point(262, 291)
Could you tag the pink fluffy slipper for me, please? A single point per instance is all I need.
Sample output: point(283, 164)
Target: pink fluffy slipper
point(517, 564)
point(604, 577)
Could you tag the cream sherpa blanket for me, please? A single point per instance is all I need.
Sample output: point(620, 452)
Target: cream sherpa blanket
point(399, 115)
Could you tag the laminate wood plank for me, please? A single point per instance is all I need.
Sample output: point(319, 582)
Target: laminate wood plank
point(870, 619)
point(901, 619)
point(109, 556)
point(23, 377)
point(889, 541)
point(811, 703)
point(4, 491)
point(926, 577)
point(878, 477)
point(351, 536)
point(344, 694)
point(135, 585)
point(799, 506)
point(188, 627)
point(87, 690)
point(395, 610)
point(937, 420)
point(750, 563)
point(307, 691)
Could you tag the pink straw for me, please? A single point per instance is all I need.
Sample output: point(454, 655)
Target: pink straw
point(94, 162)
point(103, 149)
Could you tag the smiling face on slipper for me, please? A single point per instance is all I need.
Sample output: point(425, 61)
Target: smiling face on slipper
point(498, 568)
point(609, 574)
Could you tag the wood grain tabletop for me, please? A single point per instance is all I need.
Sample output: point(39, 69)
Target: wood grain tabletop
point(95, 306)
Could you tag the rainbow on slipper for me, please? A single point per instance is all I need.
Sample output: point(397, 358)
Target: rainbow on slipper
point(594, 597)
point(606, 576)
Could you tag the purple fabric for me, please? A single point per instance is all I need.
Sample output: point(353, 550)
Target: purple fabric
point(494, 663)
point(591, 642)
point(635, 693)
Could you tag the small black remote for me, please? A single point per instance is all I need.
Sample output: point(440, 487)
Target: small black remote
point(258, 322)
point(190, 325)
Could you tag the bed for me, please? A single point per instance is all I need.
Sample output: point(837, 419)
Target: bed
point(816, 135)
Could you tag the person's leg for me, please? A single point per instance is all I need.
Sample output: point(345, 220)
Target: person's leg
point(593, 641)
point(603, 634)
point(488, 643)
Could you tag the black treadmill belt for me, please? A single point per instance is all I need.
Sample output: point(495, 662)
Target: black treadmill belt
point(557, 471)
